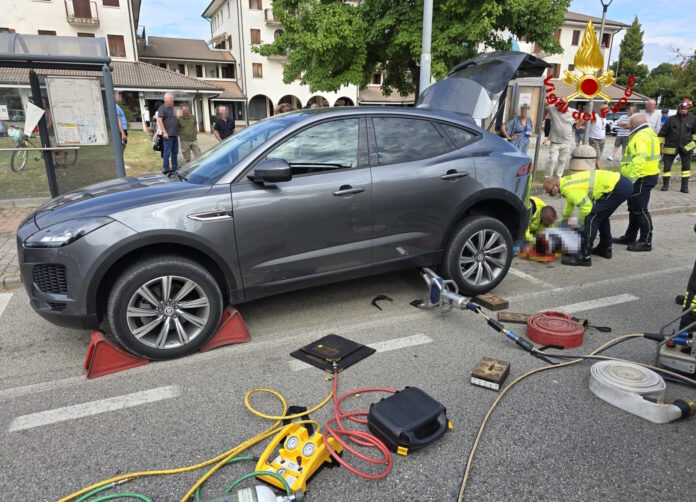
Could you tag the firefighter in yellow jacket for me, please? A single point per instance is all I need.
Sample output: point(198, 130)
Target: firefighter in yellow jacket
point(640, 164)
point(679, 138)
point(596, 194)
point(541, 217)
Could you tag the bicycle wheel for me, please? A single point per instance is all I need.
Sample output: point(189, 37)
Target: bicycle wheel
point(18, 160)
point(70, 159)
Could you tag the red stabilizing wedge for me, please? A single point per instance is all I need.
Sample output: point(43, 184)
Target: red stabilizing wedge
point(103, 357)
point(554, 328)
point(232, 329)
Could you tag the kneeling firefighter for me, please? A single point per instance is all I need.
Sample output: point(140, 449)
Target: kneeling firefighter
point(678, 136)
point(541, 217)
point(596, 194)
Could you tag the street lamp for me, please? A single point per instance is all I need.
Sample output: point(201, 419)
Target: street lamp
point(590, 106)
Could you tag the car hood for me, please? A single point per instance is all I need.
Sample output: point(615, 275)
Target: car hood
point(104, 199)
point(475, 86)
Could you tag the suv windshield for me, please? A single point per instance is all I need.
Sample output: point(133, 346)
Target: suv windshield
point(213, 164)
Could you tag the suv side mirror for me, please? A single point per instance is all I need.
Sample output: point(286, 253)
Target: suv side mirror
point(272, 171)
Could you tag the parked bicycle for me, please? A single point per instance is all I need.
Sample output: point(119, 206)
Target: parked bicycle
point(63, 158)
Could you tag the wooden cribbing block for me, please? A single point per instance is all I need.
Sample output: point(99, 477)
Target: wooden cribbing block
point(491, 302)
point(513, 317)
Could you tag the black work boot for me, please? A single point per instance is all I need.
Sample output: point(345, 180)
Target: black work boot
point(639, 247)
point(665, 185)
point(685, 185)
point(622, 240)
point(577, 261)
point(603, 252)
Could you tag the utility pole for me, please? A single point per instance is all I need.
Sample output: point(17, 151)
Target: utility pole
point(590, 106)
point(425, 46)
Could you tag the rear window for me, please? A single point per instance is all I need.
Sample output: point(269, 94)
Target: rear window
point(402, 140)
point(460, 137)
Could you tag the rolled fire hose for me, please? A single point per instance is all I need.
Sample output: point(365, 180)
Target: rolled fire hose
point(637, 390)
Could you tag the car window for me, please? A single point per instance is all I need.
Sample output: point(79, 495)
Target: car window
point(460, 137)
point(323, 147)
point(213, 164)
point(406, 140)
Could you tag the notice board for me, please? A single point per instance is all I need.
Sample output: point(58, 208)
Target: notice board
point(77, 111)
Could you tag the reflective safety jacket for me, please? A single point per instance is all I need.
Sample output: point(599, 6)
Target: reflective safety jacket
point(582, 189)
point(679, 132)
point(642, 155)
point(535, 224)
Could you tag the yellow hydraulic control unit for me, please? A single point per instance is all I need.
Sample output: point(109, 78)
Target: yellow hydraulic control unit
point(302, 454)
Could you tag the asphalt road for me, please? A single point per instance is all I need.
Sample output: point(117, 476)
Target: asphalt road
point(550, 438)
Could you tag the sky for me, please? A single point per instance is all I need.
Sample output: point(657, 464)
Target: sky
point(665, 28)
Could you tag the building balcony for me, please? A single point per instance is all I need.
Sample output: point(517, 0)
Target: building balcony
point(81, 12)
point(270, 18)
point(277, 57)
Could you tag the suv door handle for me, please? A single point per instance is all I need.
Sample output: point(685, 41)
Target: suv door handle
point(348, 190)
point(453, 175)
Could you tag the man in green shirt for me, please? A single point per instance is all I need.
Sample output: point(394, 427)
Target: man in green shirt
point(188, 129)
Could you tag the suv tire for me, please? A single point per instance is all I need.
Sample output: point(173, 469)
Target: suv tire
point(164, 307)
point(478, 255)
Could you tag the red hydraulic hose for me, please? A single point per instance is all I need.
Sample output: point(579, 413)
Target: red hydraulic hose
point(357, 437)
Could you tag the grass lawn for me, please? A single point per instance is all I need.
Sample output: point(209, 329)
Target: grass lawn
point(94, 164)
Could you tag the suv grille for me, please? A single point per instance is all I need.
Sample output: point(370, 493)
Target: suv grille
point(51, 278)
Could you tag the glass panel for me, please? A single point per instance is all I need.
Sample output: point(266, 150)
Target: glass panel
point(406, 140)
point(460, 137)
point(328, 146)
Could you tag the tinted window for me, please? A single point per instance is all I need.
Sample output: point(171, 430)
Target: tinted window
point(460, 137)
point(327, 146)
point(217, 161)
point(405, 140)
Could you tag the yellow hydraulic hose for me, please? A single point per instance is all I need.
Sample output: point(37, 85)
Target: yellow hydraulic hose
point(223, 458)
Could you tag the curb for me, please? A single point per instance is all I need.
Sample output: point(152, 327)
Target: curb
point(10, 281)
point(30, 203)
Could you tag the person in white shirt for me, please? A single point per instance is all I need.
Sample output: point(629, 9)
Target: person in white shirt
point(653, 117)
point(561, 137)
point(624, 125)
point(598, 133)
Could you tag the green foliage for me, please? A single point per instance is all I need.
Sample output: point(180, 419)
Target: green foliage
point(662, 82)
point(631, 55)
point(332, 43)
point(686, 79)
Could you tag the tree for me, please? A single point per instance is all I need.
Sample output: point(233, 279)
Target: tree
point(685, 76)
point(662, 82)
point(331, 43)
point(631, 55)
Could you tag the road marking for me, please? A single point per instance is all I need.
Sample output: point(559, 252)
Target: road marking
point(596, 304)
point(92, 408)
point(4, 300)
point(530, 278)
point(386, 346)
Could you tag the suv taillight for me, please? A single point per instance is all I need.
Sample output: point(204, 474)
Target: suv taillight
point(524, 170)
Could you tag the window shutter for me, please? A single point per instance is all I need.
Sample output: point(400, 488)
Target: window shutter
point(117, 46)
point(255, 36)
point(110, 3)
point(576, 37)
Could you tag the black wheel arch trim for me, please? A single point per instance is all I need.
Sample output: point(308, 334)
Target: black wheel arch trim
point(499, 195)
point(142, 240)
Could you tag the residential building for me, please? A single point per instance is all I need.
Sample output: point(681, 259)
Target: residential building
point(240, 25)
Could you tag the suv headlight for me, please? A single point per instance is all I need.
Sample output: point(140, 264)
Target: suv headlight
point(66, 232)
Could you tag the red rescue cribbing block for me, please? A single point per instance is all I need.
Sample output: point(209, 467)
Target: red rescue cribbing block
point(554, 328)
point(232, 329)
point(104, 357)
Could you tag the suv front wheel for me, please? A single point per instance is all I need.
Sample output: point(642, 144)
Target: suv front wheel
point(164, 307)
point(478, 255)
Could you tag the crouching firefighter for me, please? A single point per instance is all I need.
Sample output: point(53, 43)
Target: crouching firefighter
point(640, 164)
point(596, 194)
point(541, 217)
point(678, 136)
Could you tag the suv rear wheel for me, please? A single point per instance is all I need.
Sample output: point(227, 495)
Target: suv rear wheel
point(478, 255)
point(164, 307)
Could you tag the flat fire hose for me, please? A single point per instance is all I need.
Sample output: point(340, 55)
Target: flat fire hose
point(637, 390)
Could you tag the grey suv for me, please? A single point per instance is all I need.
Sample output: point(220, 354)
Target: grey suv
point(294, 201)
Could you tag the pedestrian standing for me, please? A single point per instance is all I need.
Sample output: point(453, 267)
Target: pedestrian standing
point(188, 134)
point(579, 129)
point(170, 130)
point(145, 120)
point(624, 125)
point(561, 137)
point(598, 133)
point(664, 115)
point(224, 126)
point(157, 138)
point(679, 137)
point(596, 194)
point(518, 130)
point(652, 116)
point(122, 122)
point(547, 129)
point(640, 164)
